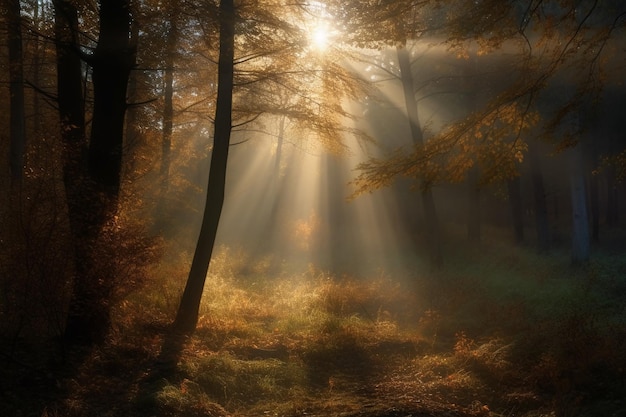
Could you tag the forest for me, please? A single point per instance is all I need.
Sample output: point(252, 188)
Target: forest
point(355, 208)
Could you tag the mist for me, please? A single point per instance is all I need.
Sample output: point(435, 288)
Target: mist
point(264, 208)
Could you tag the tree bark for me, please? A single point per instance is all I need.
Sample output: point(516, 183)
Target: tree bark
point(540, 204)
point(580, 221)
point(112, 61)
point(187, 315)
point(17, 124)
point(433, 228)
point(93, 175)
point(132, 135)
point(517, 213)
point(612, 199)
point(473, 213)
point(590, 165)
point(594, 197)
point(168, 109)
point(38, 18)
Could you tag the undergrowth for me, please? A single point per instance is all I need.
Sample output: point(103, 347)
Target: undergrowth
point(507, 332)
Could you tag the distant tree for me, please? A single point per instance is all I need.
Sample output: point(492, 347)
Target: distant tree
point(540, 204)
point(514, 191)
point(398, 24)
point(557, 43)
point(12, 12)
point(168, 98)
point(580, 219)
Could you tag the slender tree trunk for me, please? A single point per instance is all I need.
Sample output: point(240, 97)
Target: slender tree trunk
point(591, 163)
point(594, 200)
point(334, 240)
point(279, 149)
point(580, 220)
point(612, 199)
point(187, 316)
point(612, 186)
point(168, 110)
point(430, 211)
point(277, 191)
point(17, 126)
point(132, 136)
point(473, 177)
point(38, 16)
point(540, 204)
point(473, 213)
point(517, 213)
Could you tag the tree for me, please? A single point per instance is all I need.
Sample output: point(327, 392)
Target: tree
point(540, 204)
point(16, 89)
point(271, 76)
point(93, 182)
point(168, 96)
point(559, 44)
point(187, 315)
point(430, 212)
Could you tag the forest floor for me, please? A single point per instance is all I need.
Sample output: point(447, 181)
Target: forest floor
point(508, 334)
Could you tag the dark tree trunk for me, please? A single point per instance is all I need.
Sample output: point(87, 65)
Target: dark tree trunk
point(540, 203)
point(70, 95)
point(72, 118)
point(112, 61)
point(594, 205)
point(473, 212)
point(17, 126)
point(612, 199)
point(433, 228)
point(168, 106)
point(187, 316)
point(38, 17)
point(132, 136)
point(517, 212)
point(93, 186)
point(590, 165)
point(334, 244)
point(276, 195)
point(580, 220)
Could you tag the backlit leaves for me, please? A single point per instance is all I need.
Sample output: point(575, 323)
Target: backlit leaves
point(489, 140)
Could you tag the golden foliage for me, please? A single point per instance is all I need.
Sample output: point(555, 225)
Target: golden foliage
point(490, 140)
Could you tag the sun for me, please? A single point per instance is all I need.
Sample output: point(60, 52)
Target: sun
point(320, 37)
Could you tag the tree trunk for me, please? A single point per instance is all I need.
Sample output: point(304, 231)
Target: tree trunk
point(590, 165)
point(168, 107)
point(334, 238)
point(473, 213)
point(277, 190)
point(93, 187)
point(187, 316)
point(112, 61)
point(17, 126)
point(38, 18)
point(612, 199)
point(540, 204)
point(580, 221)
point(517, 213)
point(433, 228)
point(594, 197)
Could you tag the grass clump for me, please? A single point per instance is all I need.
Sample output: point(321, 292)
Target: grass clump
point(238, 383)
point(187, 399)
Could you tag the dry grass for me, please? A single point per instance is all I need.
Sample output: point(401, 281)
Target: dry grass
point(272, 343)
